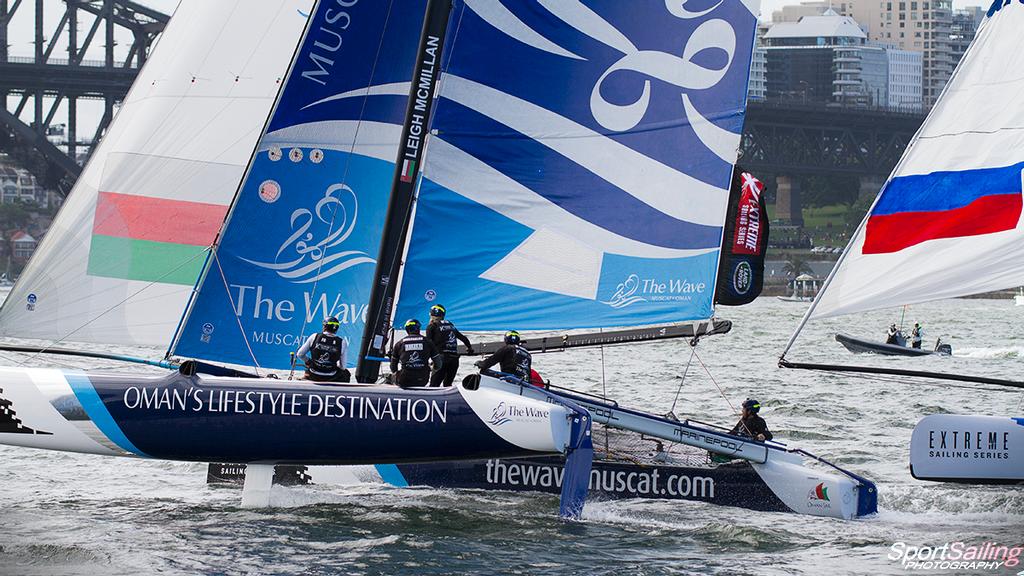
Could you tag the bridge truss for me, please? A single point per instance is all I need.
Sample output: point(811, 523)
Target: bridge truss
point(55, 85)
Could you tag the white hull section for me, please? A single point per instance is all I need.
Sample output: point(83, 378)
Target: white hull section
point(968, 449)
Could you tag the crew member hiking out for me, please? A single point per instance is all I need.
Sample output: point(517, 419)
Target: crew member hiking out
point(324, 354)
point(414, 354)
point(751, 425)
point(445, 337)
point(513, 358)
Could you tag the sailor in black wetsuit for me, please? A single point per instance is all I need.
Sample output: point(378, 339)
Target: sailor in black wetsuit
point(414, 353)
point(751, 425)
point(513, 358)
point(325, 354)
point(445, 337)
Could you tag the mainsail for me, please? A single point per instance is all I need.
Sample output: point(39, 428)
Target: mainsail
point(302, 238)
point(578, 169)
point(948, 222)
point(119, 262)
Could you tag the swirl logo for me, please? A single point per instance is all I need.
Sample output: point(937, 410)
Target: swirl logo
point(625, 293)
point(499, 415)
point(306, 255)
point(687, 73)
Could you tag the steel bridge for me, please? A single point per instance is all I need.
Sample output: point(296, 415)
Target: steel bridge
point(55, 83)
point(789, 141)
point(782, 141)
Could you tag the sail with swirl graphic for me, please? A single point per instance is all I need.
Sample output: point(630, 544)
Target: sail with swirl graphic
point(301, 239)
point(579, 164)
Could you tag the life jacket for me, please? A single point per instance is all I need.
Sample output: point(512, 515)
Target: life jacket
point(447, 343)
point(535, 379)
point(522, 363)
point(324, 354)
point(414, 355)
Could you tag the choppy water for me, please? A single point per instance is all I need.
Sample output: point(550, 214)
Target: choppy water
point(73, 514)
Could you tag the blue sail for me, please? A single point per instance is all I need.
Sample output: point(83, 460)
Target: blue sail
point(302, 237)
point(579, 168)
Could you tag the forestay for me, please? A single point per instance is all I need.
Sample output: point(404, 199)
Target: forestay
point(949, 222)
point(302, 238)
point(119, 262)
point(579, 165)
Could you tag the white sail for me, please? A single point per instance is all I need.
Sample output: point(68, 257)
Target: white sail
point(119, 262)
point(949, 221)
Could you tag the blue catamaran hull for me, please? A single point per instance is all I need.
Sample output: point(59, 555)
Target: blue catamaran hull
point(734, 484)
point(201, 418)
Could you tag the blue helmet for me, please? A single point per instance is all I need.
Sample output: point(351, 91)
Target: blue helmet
point(437, 310)
point(512, 337)
point(412, 326)
point(752, 405)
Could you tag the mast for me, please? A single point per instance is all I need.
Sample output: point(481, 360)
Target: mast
point(403, 188)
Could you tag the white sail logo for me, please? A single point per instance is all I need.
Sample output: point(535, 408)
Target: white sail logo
point(597, 151)
point(625, 293)
point(303, 258)
point(681, 72)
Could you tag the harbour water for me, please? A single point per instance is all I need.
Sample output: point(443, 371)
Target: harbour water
point(88, 515)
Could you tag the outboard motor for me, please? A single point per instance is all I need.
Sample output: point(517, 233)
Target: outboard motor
point(943, 348)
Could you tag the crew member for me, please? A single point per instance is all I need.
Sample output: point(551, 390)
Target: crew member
point(324, 354)
point(915, 336)
point(513, 358)
point(445, 337)
point(891, 337)
point(414, 353)
point(751, 425)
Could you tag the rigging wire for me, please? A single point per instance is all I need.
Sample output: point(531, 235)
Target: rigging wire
point(693, 352)
point(348, 164)
point(116, 305)
point(604, 389)
point(713, 381)
point(238, 318)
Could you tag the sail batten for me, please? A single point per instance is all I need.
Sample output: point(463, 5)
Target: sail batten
point(949, 221)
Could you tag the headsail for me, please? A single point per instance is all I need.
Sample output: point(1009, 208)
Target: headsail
point(119, 262)
point(949, 221)
point(578, 173)
point(303, 234)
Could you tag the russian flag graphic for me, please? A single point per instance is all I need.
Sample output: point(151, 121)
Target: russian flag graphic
point(915, 209)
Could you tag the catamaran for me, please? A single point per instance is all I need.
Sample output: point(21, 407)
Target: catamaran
point(226, 117)
point(544, 166)
point(601, 205)
point(948, 223)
